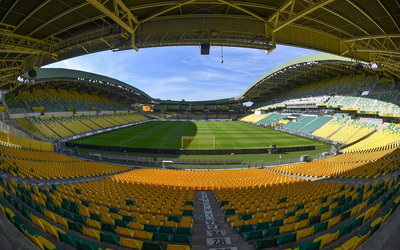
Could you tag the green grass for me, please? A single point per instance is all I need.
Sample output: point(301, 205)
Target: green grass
point(168, 135)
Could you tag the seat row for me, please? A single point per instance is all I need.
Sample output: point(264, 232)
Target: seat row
point(90, 228)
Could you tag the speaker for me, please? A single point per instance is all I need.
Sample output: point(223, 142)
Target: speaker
point(32, 73)
point(205, 49)
point(359, 68)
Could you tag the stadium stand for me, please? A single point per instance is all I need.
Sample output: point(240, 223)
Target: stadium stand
point(29, 127)
point(353, 131)
point(68, 125)
point(328, 129)
point(315, 124)
point(47, 101)
point(300, 122)
point(16, 104)
point(30, 100)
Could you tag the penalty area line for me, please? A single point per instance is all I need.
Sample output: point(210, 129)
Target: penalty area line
point(234, 144)
point(162, 144)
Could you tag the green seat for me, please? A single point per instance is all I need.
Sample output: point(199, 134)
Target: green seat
point(128, 218)
point(80, 219)
point(94, 216)
point(345, 215)
point(68, 214)
point(301, 217)
point(74, 226)
point(336, 211)
point(320, 227)
point(187, 213)
point(270, 231)
point(252, 235)
point(315, 219)
point(168, 230)
point(343, 230)
point(191, 203)
point(261, 226)
point(153, 246)
point(184, 230)
point(30, 231)
point(245, 217)
point(162, 237)
point(86, 245)
point(113, 239)
point(39, 208)
point(150, 228)
point(244, 228)
point(286, 238)
point(260, 244)
point(114, 210)
point(181, 238)
point(309, 245)
point(365, 231)
point(68, 239)
point(121, 223)
point(18, 224)
point(26, 213)
point(58, 210)
point(174, 218)
point(108, 227)
point(276, 223)
point(350, 224)
point(230, 211)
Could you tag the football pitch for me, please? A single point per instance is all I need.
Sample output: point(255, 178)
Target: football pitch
point(168, 135)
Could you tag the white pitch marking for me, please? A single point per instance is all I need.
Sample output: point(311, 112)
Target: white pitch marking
point(234, 144)
point(128, 140)
point(162, 144)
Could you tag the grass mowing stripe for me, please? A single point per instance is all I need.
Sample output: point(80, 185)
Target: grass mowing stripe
point(168, 135)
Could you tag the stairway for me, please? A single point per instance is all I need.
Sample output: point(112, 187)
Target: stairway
point(210, 229)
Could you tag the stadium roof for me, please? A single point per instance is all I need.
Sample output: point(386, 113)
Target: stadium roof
point(36, 32)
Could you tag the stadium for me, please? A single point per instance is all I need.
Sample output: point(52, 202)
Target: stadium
point(91, 162)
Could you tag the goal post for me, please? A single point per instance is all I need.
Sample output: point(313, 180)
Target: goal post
point(195, 142)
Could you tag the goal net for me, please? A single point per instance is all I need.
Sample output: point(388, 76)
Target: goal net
point(189, 142)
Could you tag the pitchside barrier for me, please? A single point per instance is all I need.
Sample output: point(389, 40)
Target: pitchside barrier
point(189, 151)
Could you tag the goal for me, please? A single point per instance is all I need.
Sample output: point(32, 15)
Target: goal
point(189, 142)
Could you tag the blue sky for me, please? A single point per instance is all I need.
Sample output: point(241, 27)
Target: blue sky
point(178, 73)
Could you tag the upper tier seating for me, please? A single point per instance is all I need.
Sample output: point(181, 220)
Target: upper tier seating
point(16, 104)
point(47, 101)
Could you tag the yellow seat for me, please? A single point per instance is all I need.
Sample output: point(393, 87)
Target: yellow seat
point(131, 243)
point(304, 233)
point(327, 238)
point(40, 241)
point(171, 224)
point(91, 233)
point(190, 225)
point(142, 235)
point(333, 221)
point(177, 247)
point(301, 224)
point(232, 218)
point(125, 231)
point(52, 230)
point(135, 225)
point(350, 244)
point(108, 220)
point(286, 228)
point(93, 223)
